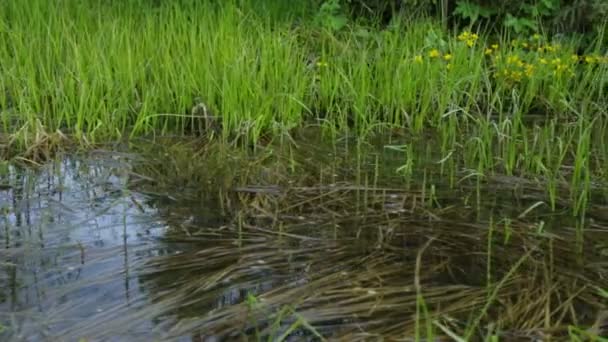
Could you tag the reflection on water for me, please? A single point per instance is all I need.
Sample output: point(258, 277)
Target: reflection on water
point(72, 236)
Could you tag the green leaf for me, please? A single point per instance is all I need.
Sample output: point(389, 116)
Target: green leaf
point(467, 10)
point(550, 4)
point(520, 25)
point(602, 292)
point(336, 22)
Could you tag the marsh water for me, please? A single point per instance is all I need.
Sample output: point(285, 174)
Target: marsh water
point(323, 244)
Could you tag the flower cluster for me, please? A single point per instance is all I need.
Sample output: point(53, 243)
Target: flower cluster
point(522, 59)
point(436, 54)
point(468, 37)
point(513, 69)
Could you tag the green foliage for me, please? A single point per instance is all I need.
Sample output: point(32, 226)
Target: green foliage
point(519, 16)
point(525, 16)
point(472, 11)
point(283, 323)
point(331, 16)
point(522, 16)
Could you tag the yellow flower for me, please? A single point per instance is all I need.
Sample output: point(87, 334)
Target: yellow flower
point(322, 64)
point(418, 59)
point(525, 44)
point(488, 51)
point(447, 56)
point(516, 75)
point(536, 36)
point(574, 58)
point(513, 60)
point(464, 36)
point(543, 61)
point(434, 53)
point(549, 48)
point(449, 66)
point(529, 70)
point(561, 68)
point(556, 61)
point(540, 49)
point(495, 46)
point(589, 59)
point(468, 37)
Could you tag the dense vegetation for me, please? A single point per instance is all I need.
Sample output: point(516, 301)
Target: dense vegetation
point(524, 104)
point(480, 103)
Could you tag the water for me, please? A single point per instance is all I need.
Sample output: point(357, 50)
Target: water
point(72, 232)
point(97, 247)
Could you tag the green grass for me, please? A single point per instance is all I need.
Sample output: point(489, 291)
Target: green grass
point(94, 72)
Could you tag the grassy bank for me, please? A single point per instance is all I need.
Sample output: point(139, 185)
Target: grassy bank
point(92, 72)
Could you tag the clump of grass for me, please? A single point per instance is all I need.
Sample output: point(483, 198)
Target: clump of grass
point(138, 70)
point(141, 69)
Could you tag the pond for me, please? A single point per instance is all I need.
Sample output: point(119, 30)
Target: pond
point(322, 244)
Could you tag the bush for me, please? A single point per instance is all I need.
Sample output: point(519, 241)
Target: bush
point(525, 16)
point(520, 16)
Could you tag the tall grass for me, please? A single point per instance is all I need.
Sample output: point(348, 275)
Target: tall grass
point(98, 71)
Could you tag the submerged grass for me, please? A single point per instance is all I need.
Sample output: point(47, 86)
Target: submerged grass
point(275, 244)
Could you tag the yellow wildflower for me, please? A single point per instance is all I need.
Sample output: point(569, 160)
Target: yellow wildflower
point(447, 56)
point(549, 48)
point(434, 53)
point(556, 61)
point(561, 68)
point(495, 46)
point(525, 45)
point(536, 36)
point(489, 51)
point(516, 75)
point(529, 70)
point(543, 61)
point(513, 59)
point(464, 36)
point(322, 64)
point(540, 49)
point(418, 59)
point(574, 58)
point(449, 66)
point(589, 59)
point(468, 37)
